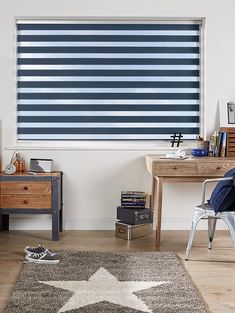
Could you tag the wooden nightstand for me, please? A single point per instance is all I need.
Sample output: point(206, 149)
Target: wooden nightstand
point(32, 194)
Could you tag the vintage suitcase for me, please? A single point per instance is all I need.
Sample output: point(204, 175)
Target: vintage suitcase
point(130, 232)
point(134, 216)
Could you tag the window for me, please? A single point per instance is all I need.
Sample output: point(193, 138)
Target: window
point(102, 80)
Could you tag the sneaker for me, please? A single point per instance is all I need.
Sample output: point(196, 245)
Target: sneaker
point(38, 249)
point(45, 257)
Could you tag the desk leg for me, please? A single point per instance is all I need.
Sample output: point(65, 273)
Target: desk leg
point(158, 209)
point(153, 193)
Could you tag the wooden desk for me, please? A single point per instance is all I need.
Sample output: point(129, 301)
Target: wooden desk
point(193, 169)
point(32, 194)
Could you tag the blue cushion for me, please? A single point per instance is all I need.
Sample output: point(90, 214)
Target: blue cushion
point(223, 195)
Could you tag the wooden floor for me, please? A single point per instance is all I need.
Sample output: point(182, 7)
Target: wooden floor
point(213, 271)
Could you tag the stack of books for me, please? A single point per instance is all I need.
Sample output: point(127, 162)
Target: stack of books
point(134, 199)
point(229, 137)
point(218, 144)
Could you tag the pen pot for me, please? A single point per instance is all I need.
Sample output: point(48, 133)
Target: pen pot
point(203, 144)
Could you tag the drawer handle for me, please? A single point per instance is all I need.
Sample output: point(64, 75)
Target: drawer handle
point(26, 187)
point(218, 167)
point(174, 168)
point(121, 231)
point(26, 201)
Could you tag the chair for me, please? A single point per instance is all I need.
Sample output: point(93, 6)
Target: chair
point(205, 211)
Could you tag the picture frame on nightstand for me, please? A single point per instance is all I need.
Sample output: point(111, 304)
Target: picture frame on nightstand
point(41, 165)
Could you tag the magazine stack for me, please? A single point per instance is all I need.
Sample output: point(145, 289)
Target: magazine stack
point(133, 199)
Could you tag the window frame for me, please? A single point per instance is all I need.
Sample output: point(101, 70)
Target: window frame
point(129, 144)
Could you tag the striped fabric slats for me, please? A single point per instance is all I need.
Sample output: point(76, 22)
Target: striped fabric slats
point(108, 81)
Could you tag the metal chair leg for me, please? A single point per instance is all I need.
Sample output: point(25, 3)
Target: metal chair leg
point(211, 230)
point(197, 216)
point(229, 219)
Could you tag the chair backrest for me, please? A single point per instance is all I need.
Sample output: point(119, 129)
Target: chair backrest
point(223, 195)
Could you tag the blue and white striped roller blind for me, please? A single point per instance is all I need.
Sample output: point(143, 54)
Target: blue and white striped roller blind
point(118, 80)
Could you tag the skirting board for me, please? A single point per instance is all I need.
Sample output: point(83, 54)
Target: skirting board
point(44, 223)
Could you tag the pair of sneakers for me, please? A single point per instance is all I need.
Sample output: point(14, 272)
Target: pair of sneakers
point(41, 255)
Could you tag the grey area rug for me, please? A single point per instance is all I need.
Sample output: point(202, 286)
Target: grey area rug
point(92, 282)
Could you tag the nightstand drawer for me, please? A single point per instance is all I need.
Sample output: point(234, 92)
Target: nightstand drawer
point(180, 168)
point(25, 187)
point(26, 201)
point(214, 168)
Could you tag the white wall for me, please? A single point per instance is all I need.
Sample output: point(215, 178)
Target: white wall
point(93, 178)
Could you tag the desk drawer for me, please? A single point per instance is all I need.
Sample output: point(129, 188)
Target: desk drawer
point(214, 168)
point(26, 201)
point(180, 168)
point(25, 187)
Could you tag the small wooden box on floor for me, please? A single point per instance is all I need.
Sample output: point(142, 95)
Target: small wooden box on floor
point(129, 232)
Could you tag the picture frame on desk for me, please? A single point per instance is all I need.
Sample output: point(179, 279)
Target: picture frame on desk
point(227, 112)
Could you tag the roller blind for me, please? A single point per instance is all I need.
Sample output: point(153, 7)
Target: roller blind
point(107, 81)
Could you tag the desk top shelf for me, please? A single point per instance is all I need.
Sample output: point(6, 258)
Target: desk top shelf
point(192, 166)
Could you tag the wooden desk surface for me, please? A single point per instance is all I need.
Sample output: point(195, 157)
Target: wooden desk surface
point(190, 167)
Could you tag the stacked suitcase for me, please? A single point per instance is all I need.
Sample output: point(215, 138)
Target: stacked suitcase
point(134, 215)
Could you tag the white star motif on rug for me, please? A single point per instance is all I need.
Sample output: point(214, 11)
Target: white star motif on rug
point(103, 286)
